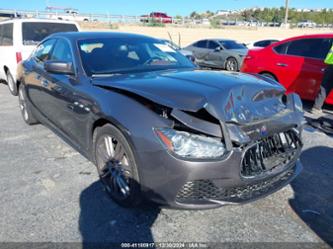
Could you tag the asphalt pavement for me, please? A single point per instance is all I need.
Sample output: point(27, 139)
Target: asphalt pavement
point(49, 192)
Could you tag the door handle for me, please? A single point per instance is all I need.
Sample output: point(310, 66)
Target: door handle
point(45, 83)
point(323, 69)
point(281, 64)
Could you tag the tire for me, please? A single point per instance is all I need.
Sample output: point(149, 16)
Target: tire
point(116, 166)
point(269, 75)
point(27, 115)
point(231, 64)
point(11, 83)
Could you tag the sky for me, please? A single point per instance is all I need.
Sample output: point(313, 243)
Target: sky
point(172, 7)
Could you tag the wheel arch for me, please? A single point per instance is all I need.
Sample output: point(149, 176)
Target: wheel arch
point(230, 56)
point(100, 122)
point(270, 73)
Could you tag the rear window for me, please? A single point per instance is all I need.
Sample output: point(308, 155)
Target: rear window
point(34, 32)
point(6, 34)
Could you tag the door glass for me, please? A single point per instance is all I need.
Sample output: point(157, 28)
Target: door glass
point(62, 52)
point(313, 48)
point(281, 49)
point(201, 44)
point(212, 45)
point(6, 34)
point(42, 52)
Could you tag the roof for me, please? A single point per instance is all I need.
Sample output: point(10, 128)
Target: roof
point(92, 35)
point(324, 35)
point(20, 20)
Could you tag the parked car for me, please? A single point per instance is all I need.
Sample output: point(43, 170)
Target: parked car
point(306, 24)
point(297, 63)
point(185, 52)
point(218, 53)
point(156, 17)
point(261, 43)
point(69, 14)
point(18, 38)
point(158, 127)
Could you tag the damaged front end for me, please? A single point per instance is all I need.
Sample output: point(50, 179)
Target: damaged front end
point(221, 144)
point(267, 149)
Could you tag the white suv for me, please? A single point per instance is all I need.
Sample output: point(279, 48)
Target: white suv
point(19, 37)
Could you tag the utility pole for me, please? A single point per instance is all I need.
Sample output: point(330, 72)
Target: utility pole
point(286, 14)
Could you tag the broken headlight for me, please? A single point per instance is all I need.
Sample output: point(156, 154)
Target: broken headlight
point(189, 145)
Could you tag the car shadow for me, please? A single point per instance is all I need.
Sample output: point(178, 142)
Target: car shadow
point(313, 192)
point(102, 222)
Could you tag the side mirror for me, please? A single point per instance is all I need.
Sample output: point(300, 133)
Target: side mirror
point(59, 67)
point(217, 49)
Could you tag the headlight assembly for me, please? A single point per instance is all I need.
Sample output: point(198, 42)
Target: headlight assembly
point(189, 145)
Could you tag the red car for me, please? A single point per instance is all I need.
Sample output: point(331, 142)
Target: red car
point(157, 17)
point(297, 63)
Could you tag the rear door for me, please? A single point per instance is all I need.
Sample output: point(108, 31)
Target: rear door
point(299, 65)
point(36, 77)
point(7, 52)
point(311, 52)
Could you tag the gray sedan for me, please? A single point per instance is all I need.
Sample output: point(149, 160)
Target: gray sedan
point(218, 53)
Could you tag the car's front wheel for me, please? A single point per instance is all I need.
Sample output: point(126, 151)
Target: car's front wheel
point(116, 166)
point(11, 83)
point(231, 64)
point(26, 112)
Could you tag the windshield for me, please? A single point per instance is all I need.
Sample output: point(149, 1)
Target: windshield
point(127, 55)
point(232, 45)
point(34, 32)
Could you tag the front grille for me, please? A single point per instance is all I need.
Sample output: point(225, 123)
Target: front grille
point(201, 190)
point(271, 152)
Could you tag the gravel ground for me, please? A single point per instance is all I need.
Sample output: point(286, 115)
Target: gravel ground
point(49, 192)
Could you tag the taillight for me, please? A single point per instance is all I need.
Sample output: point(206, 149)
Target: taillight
point(18, 57)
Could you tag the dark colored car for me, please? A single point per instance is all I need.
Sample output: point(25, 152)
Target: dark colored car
point(297, 63)
point(218, 53)
point(158, 127)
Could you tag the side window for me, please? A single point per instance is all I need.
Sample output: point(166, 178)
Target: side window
point(62, 51)
point(322, 49)
point(212, 45)
point(259, 44)
point(312, 48)
point(201, 44)
point(42, 52)
point(6, 34)
point(302, 47)
point(282, 48)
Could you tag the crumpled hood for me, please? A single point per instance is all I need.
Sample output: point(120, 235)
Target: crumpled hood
point(227, 96)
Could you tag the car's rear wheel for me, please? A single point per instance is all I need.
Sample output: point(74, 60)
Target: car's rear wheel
point(27, 115)
point(231, 64)
point(11, 83)
point(116, 166)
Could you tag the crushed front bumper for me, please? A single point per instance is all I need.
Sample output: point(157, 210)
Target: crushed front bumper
point(178, 183)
